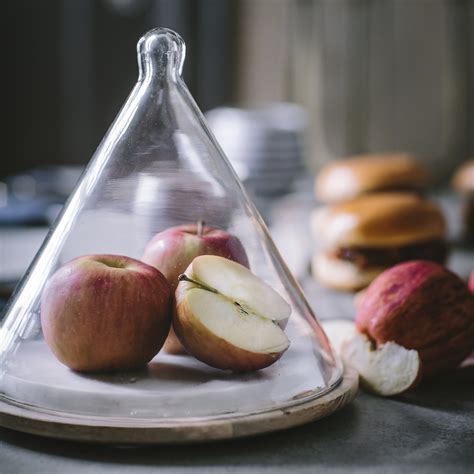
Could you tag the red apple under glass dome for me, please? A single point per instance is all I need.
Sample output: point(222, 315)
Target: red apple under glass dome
point(158, 167)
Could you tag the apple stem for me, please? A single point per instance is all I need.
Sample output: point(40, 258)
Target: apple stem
point(184, 277)
point(200, 228)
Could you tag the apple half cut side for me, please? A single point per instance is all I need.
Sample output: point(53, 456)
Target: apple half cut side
point(227, 317)
point(238, 283)
point(387, 370)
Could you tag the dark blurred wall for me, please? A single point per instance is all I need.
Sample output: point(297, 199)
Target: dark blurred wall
point(31, 82)
point(71, 64)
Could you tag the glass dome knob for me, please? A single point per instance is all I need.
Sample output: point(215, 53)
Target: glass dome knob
point(161, 53)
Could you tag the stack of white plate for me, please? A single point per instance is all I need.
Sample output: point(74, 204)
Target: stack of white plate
point(264, 144)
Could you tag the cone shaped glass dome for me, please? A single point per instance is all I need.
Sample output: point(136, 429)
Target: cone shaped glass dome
point(158, 166)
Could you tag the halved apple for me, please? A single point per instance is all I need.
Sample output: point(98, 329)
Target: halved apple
point(229, 318)
point(387, 370)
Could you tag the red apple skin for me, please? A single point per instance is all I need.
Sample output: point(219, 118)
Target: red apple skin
point(471, 282)
point(105, 313)
point(172, 250)
point(172, 344)
point(423, 306)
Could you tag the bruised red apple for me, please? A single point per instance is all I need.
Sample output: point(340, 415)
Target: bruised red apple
point(423, 306)
point(106, 312)
point(172, 250)
point(229, 318)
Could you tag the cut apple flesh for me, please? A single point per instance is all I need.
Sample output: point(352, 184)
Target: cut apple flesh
point(388, 370)
point(237, 283)
point(230, 322)
point(227, 317)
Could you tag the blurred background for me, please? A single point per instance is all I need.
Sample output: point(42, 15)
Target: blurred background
point(329, 78)
point(373, 75)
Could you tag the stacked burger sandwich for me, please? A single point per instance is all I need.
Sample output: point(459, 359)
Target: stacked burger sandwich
point(373, 216)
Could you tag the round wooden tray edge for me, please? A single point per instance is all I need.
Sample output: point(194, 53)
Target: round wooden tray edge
point(56, 426)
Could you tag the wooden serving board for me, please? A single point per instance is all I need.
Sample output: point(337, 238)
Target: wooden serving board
point(196, 430)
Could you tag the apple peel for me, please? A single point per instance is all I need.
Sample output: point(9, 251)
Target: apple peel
point(387, 370)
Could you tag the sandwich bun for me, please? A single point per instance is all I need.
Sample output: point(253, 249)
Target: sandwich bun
point(353, 176)
point(378, 220)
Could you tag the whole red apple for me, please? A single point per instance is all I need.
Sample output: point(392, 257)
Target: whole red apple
point(423, 306)
point(172, 250)
point(106, 312)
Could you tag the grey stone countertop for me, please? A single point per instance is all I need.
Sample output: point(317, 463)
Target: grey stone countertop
point(429, 430)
